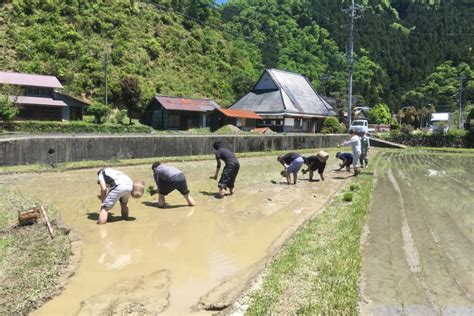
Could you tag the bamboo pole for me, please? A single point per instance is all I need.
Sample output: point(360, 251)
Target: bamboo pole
point(48, 224)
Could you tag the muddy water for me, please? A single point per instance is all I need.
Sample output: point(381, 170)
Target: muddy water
point(419, 251)
point(164, 260)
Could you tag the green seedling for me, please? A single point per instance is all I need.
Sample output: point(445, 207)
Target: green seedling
point(150, 189)
point(347, 197)
point(354, 187)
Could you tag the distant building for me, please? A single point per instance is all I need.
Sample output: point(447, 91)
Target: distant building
point(245, 120)
point(38, 98)
point(174, 113)
point(287, 103)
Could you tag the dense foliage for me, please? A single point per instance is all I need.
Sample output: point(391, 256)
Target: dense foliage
point(454, 138)
point(407, 53)
point(73, 127)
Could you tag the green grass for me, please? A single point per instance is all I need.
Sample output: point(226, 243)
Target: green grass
point(317, 271)
point(347, 196)
point(134, 162)
point(31, 263)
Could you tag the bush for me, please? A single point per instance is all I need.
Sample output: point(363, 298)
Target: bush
point(453, 138)
point(354, 187)
point(406, 129)
point(347, 196)
point(331, 125)
point(73, 127)
point(8, 109)
point(394, 125)
point(99, 111)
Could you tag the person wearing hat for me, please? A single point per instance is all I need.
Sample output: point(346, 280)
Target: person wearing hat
point(346, 160)
point(292, 163)
point(168, 179)
point(116, 186)
point(231, 168)
point(314, 163)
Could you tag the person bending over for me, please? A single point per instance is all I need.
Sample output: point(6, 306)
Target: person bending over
point(231, 168)
point(346, 159)
point(316, 163)
point(116, 186)
point(292, 163)
point(168, 179)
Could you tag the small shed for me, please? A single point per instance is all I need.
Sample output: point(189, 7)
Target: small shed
point(245, 120)
point(175, 113)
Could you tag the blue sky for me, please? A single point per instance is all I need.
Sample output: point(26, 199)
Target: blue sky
point(221, 1)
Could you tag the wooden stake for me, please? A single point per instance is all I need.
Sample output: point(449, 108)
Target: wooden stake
point(48, 224)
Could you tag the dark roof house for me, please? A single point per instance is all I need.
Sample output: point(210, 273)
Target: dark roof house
point(245, 120)
point(165, 112)
point(38, 99)
point(287, 102)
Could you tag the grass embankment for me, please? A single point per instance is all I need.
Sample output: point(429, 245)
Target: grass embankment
point(32, 265)
point(317, 271)
point(59, 167)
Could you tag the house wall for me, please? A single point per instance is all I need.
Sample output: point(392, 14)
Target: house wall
point(40, 113)
point(58, 149)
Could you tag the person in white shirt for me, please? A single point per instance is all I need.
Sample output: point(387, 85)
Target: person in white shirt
point(115, 186)
point(354, 141)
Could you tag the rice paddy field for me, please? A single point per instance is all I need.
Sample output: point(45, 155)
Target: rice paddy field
point(418, 246)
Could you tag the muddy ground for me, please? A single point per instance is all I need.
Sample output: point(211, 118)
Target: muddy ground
point(173, 260)
point(418, 248)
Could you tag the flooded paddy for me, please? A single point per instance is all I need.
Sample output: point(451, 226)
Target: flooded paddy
point(165, 260)
point(418, 246)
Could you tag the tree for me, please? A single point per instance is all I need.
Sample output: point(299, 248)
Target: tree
point(380, 114)
point(131, 95)
point(8, 109)
point(99, 111)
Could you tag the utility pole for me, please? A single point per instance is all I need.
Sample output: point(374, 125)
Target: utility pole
point(461, 77)
point(106, 61)
point(351, 62)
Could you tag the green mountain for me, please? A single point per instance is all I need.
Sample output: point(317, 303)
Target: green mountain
point(195, 48)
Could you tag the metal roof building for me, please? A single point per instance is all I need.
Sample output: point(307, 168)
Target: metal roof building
point(287, 102)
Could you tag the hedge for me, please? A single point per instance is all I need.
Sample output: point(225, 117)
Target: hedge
point(72, 127)
point(455, 138)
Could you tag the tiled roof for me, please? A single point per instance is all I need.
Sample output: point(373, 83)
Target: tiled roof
point(279, 91)
point(37, 101)
point(241, 114)
point(185, 104)
point(22, 79)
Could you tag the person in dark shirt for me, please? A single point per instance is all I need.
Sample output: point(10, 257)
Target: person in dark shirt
point(292, 163)
point(168, 179)
point(231, 168)
point(314, 163)
point(346, 160)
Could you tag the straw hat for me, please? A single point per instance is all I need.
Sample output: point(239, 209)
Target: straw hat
point(322, 156)
point(138, 189)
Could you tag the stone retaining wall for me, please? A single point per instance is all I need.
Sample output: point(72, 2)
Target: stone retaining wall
point(67, 148)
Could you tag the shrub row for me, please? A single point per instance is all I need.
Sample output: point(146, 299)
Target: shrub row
point(455, 138)
point(72, 127)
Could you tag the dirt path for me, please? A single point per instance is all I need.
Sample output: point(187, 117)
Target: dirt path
point(191, 249)
point(418, 250)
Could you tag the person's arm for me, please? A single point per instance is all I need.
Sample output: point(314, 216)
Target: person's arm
point(218, 166)
point(103, 190)
point(282, 161)
point(342, 164)
point(368, 143)
point(321, 171)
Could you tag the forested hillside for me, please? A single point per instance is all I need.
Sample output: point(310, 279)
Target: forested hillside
point(406, 52)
